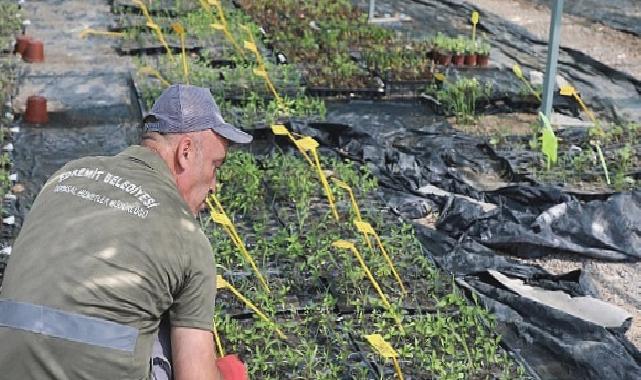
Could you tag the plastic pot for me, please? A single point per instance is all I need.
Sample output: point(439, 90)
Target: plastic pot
point(35, 52)
point(483, 60)
point(444, 58)
point(458, 60)
point(22, 42)
point(470, 59)
point(36, 112)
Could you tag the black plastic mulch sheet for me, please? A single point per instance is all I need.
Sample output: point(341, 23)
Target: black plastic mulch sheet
point(624, 15)
point(487, 214)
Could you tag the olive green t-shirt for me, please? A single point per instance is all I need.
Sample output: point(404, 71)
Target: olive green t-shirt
point(108, 238)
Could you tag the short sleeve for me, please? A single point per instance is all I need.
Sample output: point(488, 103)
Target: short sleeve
point(193, 306)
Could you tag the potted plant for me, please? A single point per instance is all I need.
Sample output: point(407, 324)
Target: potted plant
point(443, 49)
point(483, 54)
point(471, 49)
point(458, 46)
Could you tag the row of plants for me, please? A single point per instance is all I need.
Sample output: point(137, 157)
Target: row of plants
point(319, 295)
point(322, 299)
point(460, 50)
point(243, 97)
point(336, 51)
point(578, 163)
point(313, 37)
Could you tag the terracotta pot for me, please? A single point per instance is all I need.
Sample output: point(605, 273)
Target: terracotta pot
point(458, 59)
point(35, 52)
point(482, 60)
point(21, 44)
point(470, 59)
point(36, 112)
point(444, 58)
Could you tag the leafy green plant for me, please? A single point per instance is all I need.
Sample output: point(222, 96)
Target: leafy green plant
point(460, 98)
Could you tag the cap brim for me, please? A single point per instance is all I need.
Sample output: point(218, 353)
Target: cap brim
point(233, 134)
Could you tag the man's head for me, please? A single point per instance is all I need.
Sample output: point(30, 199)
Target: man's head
point(186, 128)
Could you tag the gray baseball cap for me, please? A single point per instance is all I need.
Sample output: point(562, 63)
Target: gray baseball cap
point(182, 108)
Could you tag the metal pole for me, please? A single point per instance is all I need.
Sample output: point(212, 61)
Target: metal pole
point(371, 9)
point(553, 57)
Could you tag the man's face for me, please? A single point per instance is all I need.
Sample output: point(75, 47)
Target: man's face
point(199, 177)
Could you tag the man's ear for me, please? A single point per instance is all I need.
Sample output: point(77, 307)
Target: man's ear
point(185, 153)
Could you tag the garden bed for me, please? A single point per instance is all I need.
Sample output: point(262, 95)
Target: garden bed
point(283, 217)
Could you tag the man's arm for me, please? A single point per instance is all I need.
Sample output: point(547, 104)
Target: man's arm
point(193, 354)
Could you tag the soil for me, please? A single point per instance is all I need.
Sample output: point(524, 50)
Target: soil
point(617, 283)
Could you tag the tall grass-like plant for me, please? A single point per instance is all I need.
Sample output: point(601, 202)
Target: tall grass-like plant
point(460, 98)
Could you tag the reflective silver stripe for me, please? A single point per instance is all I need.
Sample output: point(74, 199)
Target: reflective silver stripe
point(70, 326)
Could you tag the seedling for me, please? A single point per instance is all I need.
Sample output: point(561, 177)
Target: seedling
point(366, 229)
point(221, 218)
point(385, 350)
point(344, 244)
point(571, 91)
point(221, 283)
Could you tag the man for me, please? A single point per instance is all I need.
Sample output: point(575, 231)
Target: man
point(111, 246)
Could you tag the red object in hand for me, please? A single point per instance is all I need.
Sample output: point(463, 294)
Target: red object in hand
point(231, 368)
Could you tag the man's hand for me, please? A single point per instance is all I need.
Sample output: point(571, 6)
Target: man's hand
point(193, 354)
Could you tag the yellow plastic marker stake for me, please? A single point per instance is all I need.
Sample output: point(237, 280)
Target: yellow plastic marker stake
point(205, 5)
point(221, 283)
point(178, 28)
point(154, 72)
point(143, 7)
point(475, 20)
point(385, 350)
point(571, 91)
point(88, 31)
point(280, 130)
point(519, 74)
point(222, 219)
point(367, 229)
point(161, 38)
point(263, 74)
point(250, 46)
point(344, 244)
point(222, 26)
point(308, 144)
point(347, 188)
point(219, 344)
